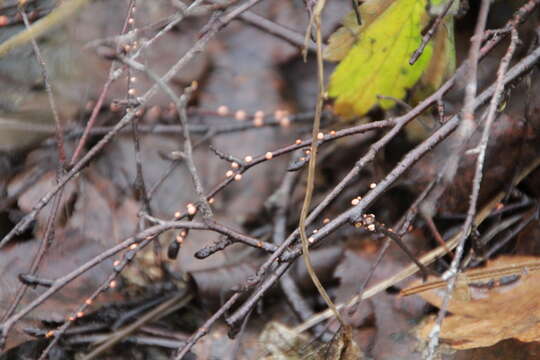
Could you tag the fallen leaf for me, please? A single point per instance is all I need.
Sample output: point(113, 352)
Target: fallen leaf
point(31, 196)
point(70, 250)
point(503, 350)
point(493, 313)
point(283, 343)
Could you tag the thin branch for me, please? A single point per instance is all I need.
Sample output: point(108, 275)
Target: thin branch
point(49, 234)
point(464, 132)
point(180, 104)
point(109, 282)
point(281, 200)
point(402, 227)
point(203, 330)
point(59, 133)
point(176, 302)
point(451, 274)
point(429, 34)
point(278, 30)
point(115, 73)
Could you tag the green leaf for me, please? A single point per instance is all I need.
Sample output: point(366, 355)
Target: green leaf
point(375, 56)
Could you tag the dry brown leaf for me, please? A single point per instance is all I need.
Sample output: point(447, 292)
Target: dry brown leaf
point(30, 197)
point(283, 343)
point(492, 314)
point(503, 350)
point(70, 250)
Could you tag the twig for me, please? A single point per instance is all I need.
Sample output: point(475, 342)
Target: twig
point(113, 75)
point(276, 29)
point(255, 160)
point(429, 34)
point(136, 340)
point(281, 200)
point(58, 124)
point(274, 250)
point(181, 15)
point(512, 233)
point(176, 302)
point(451, 274)
point(379, 227)
point(48, 237)
point(139, 183)
point(399, 123)
point(108, 283)
point(464, 132)
point(402, 226)
point(370, 155)
point(203, 330)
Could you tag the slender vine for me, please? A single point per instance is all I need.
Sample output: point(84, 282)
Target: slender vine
point(315, 21)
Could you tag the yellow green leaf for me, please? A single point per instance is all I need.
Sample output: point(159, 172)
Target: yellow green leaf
point(342, 40)
point(375, 56)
